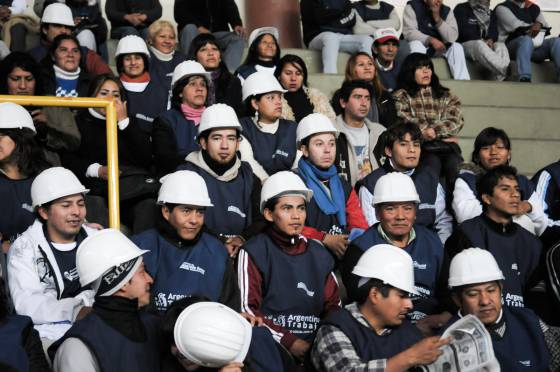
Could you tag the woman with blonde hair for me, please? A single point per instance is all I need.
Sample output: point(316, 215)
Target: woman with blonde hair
point(164, 56)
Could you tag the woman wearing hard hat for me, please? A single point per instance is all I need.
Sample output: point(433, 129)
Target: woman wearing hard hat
point(263, 54)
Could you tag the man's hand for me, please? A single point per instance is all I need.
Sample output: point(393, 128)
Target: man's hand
point(254, 320)
point(429, 134)
point(535, 29)
point(233, 245)
point(232, 367)
point(437, 45)
point(203, 30)
point(336, 243)
point(121, 109)
point(432, 323)
point(240, 31)
point(83, 312)
point(38, 117)
point(133, 19)
point(524, 207)
point(490, 43)
point(299, 348)
point(421, 353)
point(103, 172)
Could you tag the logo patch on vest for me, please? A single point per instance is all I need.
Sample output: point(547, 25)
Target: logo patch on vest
point(144, 117)
point(513, 300)
point(280, 152)
point(234, 209)
point(427, 206)
point(190, 267)
point(525, 363)
point(419, 266)
point(302, 285)
point(27, 207)
point(71, 275)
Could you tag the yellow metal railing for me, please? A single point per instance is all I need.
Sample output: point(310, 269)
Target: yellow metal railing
point(112, 145)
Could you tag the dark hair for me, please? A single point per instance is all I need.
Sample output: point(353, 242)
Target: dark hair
point(348, 87)
point(120, 63)
point(169, 319)
point(295, 61)
point(407, 80)
point(485, 183)
point(205, 134)
point(362, 292)
point(253, 53)
point(486, 137)
point(45, 26)
point(271, 203)
point(59, 39)
point(25, 62)
point(28, 155)
point(248, 109)
point(351, 65)
point(98, 81)
point(398, 131)
point(177, 90)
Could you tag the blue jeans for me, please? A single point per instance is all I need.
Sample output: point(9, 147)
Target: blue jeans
point(524, 52)
point(330, 43)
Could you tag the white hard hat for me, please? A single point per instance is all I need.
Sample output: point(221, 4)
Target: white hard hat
point(132, 44)
point(313, 124)
point(186, 69)
point(54, 183)
point(261, 82)
point(59, 14)
point(284, 183)
point(212, 335)
point(103, 251)
point(472, 266)
point(389, 264)
point(14, 116)
point(395, 187)
point(184, 187)
point(218, 115)
point(262, 31)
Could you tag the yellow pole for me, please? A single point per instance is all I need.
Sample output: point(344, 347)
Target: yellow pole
point(112, 146)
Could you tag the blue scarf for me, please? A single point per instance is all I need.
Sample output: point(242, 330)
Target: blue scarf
point(313, 177)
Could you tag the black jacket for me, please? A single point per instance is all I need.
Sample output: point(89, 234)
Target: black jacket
point(326, 15)
point(469, 28)
point(215, 15)
point(117, 9)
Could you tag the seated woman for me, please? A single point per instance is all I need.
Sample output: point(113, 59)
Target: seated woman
point(89, 162)
point(164, 56)
point(146, 95)
point(269, 144)
point(492, 147)
point(362, 67)
point(225, 88)
point(422, 100)
point(174, 132)
point(300, 100)
point(263, 54)
point(63, 75)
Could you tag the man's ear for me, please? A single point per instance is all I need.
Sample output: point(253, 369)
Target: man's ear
point(267, 213)
point(374, 295)
point(486, 199)
point(342, 103)
point(43, 213)
point(165, 212)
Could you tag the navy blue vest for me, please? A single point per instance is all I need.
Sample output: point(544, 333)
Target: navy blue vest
point(163, 70)
point(293, 293)
point(369, 14)
point(146, 106)
point(178, 272)
point(527, 15)
point(231, 213)
point(517, 255)
point(427, 254)
point(12, 352)
point(245, 71)
point(185, 131)
point(6, 2)
point(426, 185)
point(368, 344)
point(113, 351)
point(552, 195)
point(17, 211)
point(525, 185)
point(275, 152)
point(426, 24)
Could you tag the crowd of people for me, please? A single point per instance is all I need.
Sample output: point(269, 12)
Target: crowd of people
point(268, 226)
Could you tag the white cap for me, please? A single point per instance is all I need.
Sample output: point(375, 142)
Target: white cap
point(184, 187)
point(261, 82)
point(381, 35)
point(284, 183)
point(313, 124)
point(395, 187)
point(189, 68)
point(132, 44)
point(54, 183)
point(389, 264)
point(59, 14)
point(101, 252)
point(472, 266)
point(212, 335)
point(261, 31)
point(218, 115)
point(14, 116)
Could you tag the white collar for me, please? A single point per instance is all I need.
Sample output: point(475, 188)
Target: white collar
point(63, 74)
point(166, 57)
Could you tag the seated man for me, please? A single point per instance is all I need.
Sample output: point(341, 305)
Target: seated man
point(430, 27)
point(374, 15)
point(182, 258)
point(521, 25)
point(386, 47)
point(478, 33)
point(334, 209)
point(402, 150)
point(521, 340)
point(43, 279)
point(517, 251)
point(115, 336)
point(17, 27)
point(132, 17)
point(284, 277)
point(372, 333)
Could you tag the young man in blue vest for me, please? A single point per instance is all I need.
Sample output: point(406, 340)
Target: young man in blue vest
point(373, 333)
point(517, 251)
point(284, 277)
point(521, 340)
point(402, 154)
point(115, 336)
point(234, 189)
point(396, 201)
point(183, 258)
point(430, 27)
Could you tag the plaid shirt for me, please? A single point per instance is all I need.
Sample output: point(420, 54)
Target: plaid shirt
point(443, 114)
point(333, 350)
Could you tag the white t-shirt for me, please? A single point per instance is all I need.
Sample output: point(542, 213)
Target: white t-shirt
point(359, 140)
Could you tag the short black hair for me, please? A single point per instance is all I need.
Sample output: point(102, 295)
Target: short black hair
point(177, 90)
point(59, 39)
point(348, 87)
point(362, 292)
point(487, 137)
point(25, 62)
point(207, 132)
point(398, 131)
point(295, 61)
point(248, 109)
point(485, 184)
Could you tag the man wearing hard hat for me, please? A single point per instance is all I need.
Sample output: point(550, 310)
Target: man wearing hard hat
point(521, 341)
point(334, 209)
point(183, 258)
point(234, 189)
point(115, 336)
point(395, 200)
point(373, 332)
point(284, 277)
point(43, 279)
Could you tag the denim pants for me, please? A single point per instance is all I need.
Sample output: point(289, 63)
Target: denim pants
point(524, 52)
point(330, 43)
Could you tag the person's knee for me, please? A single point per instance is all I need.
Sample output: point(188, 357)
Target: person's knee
point(330, 39)
point(525, 44)
point(416, 46)
point(366, 42)
point(456, 49)
point(189, 29)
